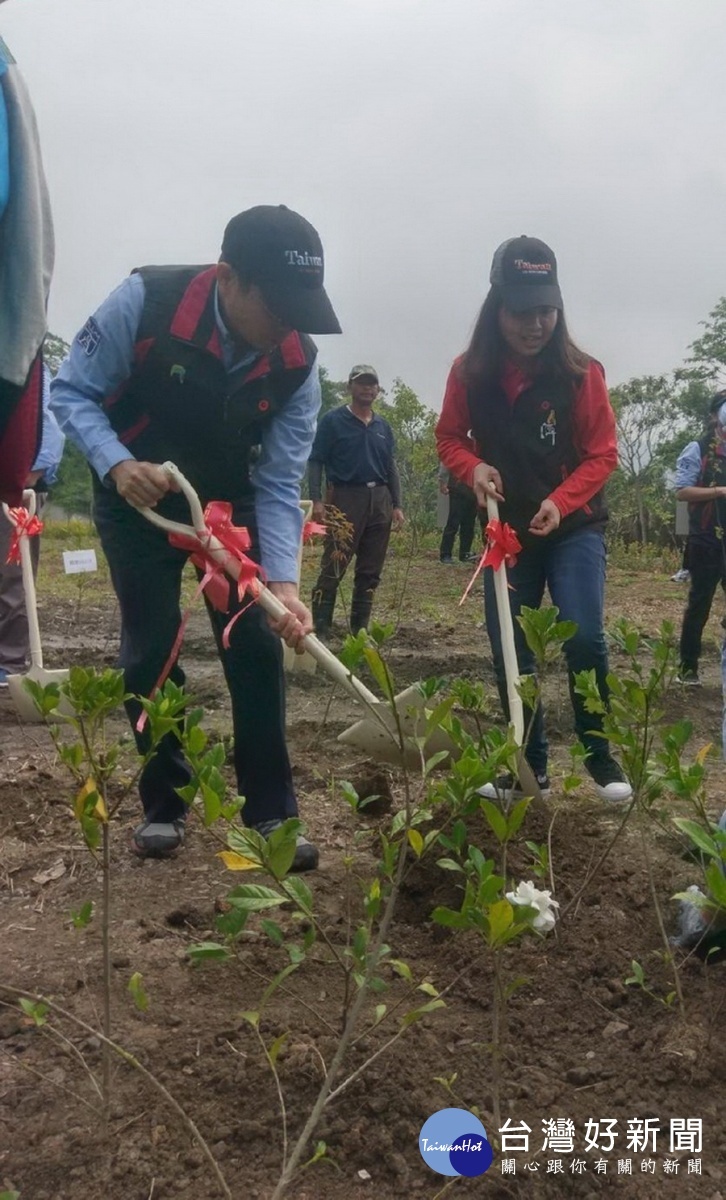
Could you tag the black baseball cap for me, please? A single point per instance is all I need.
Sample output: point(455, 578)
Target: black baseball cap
point(525, 271)
point(279, 250)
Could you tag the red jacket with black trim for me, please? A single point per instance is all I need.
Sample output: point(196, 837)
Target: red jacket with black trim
point(547, 441)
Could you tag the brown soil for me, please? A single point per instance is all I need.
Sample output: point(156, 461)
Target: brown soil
point(581, 1044)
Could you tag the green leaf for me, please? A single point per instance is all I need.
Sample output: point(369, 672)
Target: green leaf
point(301, 892)
point(698, 836)
point(273, 931)
point(716, 884)
point(276, 1047)
point(416, 841)
point(379, 671)
point(516, 816)
point(450, 918)
point(417, 1013)
point(82, 917)
point(35, 1009)
point(252, 1018)
point(208, 951)
point(254, 897)
point(138, 993)
point(381, 1010)
point(401, 968)
point(500, 918)
point(638, 974)
point(448, 864)
point(428, 988)
point(496, 819)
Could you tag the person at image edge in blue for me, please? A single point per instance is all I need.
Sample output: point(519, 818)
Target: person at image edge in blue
point(210, 367)
point(544, 433)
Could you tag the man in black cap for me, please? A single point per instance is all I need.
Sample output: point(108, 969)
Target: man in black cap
point(356, 448)
point(210, 367)
point(701, 482)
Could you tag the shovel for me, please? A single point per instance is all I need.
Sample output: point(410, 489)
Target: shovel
point(377, 735)
point(525, 774)
point(24, 705)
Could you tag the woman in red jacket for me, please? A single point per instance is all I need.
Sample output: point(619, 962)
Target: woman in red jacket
point(539, 414)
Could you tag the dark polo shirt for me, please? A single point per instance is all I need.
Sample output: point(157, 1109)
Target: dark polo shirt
point(354, 453)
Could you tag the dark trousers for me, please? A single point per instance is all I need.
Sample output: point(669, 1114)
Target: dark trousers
point(146, 573)
point(573, 568)
point(461, 520)
point(707, 565)
point(369, 512)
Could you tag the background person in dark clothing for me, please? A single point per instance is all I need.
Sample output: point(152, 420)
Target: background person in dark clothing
point(461, 518)
point(355, 447)
point(701, 481)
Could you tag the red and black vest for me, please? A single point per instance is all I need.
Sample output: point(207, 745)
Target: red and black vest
point(531, 443)
point(705, 519)
point(179, 402)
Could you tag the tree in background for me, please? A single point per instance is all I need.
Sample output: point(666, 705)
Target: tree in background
point(413, 427)
point(72, 492)
point(707, 362)
point(334, 392)
point(656, 417)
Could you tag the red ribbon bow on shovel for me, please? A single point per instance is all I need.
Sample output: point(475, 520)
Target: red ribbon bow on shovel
point(503, 546)
point(215, 582)
point(23, 526)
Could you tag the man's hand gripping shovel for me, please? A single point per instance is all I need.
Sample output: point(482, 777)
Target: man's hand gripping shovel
point(377, 735)
point(525, 774)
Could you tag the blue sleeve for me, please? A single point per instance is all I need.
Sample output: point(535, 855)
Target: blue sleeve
point(4, 149)
point(52, 442)
point(286, 444)
point(688, 467)
point(99, 360)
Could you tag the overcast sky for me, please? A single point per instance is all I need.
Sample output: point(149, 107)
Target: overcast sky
point(415, 135)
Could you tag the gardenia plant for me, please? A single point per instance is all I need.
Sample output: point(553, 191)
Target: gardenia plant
point(531, 897)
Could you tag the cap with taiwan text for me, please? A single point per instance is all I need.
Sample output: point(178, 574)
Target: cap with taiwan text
point(363, 371)
point(525, 271)
point(279, 250)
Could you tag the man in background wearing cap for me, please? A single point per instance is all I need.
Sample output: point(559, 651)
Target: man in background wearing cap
point(701, 481)
point(356, 448)
point(210, 367)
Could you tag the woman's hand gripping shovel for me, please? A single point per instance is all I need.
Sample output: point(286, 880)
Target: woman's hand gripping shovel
point(377, 735)
point(26, 526)
point(525, 774)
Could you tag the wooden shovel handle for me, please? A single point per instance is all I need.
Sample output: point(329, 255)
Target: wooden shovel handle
point(506, 626)
point(265, 598)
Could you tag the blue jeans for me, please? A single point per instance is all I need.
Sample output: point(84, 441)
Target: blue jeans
point(573, 568)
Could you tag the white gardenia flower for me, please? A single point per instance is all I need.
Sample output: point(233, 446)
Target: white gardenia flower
point(527, 894)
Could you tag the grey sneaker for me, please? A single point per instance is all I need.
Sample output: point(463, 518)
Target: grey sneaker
point(506, 787)
point(158, 839)
point(306, 855)
point(688, 678)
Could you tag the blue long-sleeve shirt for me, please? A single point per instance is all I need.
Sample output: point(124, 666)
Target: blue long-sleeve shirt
point(101, 358)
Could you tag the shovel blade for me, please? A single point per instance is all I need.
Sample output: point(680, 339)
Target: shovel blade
point(378, 736)
point(23, 701)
